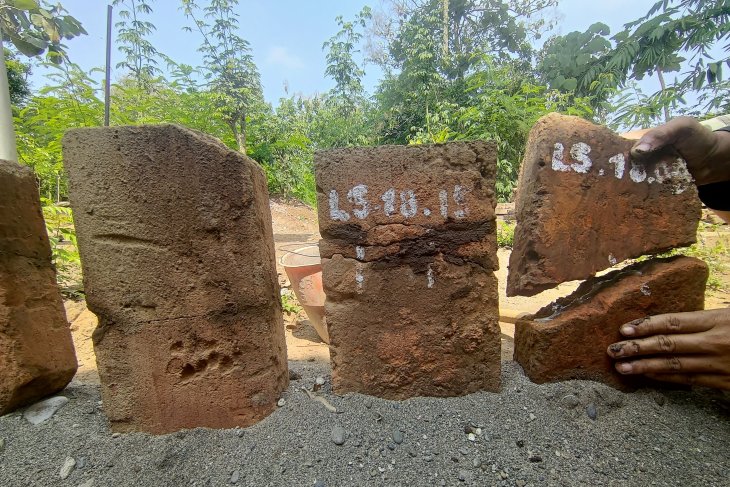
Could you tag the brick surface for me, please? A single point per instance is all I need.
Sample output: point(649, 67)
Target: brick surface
point(37, 351)
point(176, 245)
point(583, 205)
point(568, 339)
point(409, 250)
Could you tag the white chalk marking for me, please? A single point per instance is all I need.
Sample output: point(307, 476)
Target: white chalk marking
point(558, 164)
point(444, 203)
point(426, 212)
point(601, 172)
point(409, 205)
point(335, 213)
point(389, 200)
point(460, 199)
point(619, 165)
point(356, 196)
point(360, 252)
point(359, 277)
point(681, 176)
point(429, 277)
point(579, 152)
point(637, 172)
point(645, 290)
point(612, 260)
point(650, 180)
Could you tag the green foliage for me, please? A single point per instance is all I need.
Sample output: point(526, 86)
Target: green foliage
point(140, 55)
point(233, 78)
point(18, 73)
point(502, 105)
point(62, 236)
point(505, 234)
point(34, 27)
point(289, 303)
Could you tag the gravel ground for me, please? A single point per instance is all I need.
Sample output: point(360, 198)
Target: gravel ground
point(527, 435)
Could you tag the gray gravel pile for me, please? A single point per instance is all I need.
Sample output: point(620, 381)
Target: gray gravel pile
point(571, 433)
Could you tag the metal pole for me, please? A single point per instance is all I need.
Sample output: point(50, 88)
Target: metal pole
point(108, 81)
point(8, 149)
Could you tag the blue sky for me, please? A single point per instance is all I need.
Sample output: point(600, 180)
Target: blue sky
point(286, 36)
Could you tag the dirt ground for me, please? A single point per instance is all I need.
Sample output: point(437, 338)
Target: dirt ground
point(294, 226)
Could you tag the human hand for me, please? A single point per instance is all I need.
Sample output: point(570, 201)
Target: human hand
point(707, 153)
point(687, 348)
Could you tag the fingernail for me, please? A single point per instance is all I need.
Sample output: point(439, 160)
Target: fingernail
point(628, 330)
point(642, 147)
point(624, 367)
point(616, 349)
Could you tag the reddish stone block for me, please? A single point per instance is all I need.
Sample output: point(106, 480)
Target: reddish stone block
point(174, 231)
point(409, 249)
point(584, 205)
point(568, 339)
point(36, 347)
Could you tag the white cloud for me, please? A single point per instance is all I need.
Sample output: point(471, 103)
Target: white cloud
point(280, 56)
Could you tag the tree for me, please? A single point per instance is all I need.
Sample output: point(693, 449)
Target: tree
point(229, 68)
point(33, 29)
point(674, 35)
point(17, 73)
point(139, 53)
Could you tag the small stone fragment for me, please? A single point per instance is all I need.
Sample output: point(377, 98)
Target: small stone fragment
point(294, 375)
point(88, 483)
point(531, 418)
point(67, 468)
point(578, 176)
point(44, 410)
point(319, 483)
point(520, 443)
point(535, 458)
point(397, 436)
point(591, 411)
point(235, 477)
point(471, 437)
point(338, 435)
point(570, 401)
point(659, 398)
point(569, 338)
point(2, 445)
point(281, 402)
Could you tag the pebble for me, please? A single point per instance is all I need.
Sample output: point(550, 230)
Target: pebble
point(520, 483)
point(235, 477)
point(293, 375)
point(397, 436)
point(535, 458)
point(531, 418)
point(44, 410)
point(116, 435)
point(281, 402)
point(476, 463)
point(67, 468)
point(2, 445)
point(471, 437)
point(520, 443)
point(319, 381)
point(338, 435)
point(391, 446)
point(463, 451)
point(463, 475)
point(319, 483)
point(571, 401)
point(88, 483)
point(591, 411)
point(660, 399)
point(81, 463)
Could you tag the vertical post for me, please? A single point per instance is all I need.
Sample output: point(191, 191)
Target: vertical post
point(8, 149)
point(107, 82)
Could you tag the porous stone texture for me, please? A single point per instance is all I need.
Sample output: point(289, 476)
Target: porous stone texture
point(408, 254)
point(583, 205)
point(36, 350)
point(174, 231)
point(568, 339)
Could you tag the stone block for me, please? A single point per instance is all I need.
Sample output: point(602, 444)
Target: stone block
point(174, 231)
point(568, 339)
point(409, 250)
point(36, 347)
point(583, 205)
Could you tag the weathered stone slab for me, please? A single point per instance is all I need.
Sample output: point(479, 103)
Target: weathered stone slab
point(409, 250)
point(568, 339)
point(37, 351)
point(584, 205)
point(174, 231)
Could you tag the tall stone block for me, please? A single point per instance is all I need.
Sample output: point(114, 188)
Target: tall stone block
point(408, 254)
point(584, 205)
point(568, 339)
point(36, 350)
point(174, 231)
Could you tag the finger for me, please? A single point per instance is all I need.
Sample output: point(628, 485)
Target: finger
point(669, 365)
point(672, 323)
point(659, 344)
point(704, 380)
point(673, 133)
